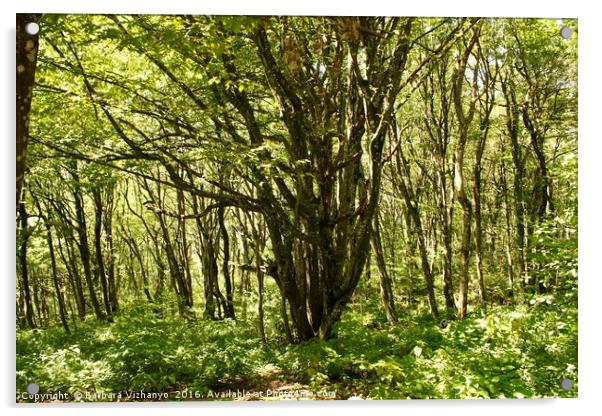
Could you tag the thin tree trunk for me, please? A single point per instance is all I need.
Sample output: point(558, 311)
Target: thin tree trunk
point(287, 327)
point(226, 264)
point(25, 234)
point(100, 264)
point(182, 249)
point(518, 160)
point(259, 245)
point(74, 275)
point(108, 227)
point(508, 232)
point(446, 230)
point(464, 119)
point(409, 197)
point(244, 258)
point(479, 226)
point(486, 107)
point(386, 291)
point(69, 258)
point(36, 300)
point(55, 280)
point(466, 237)
point(260, 318)
point(176, 265)
point(83, 245)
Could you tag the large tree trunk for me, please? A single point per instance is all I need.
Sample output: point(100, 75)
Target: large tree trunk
point(330, 136)
point(321, 237)
point(27, 54)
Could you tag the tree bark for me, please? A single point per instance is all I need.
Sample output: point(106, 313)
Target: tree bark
point(411, 205)
point(489, 80)
point(83, 246)
point(478, 232)
point(100, 264)
point(113, 287)
point(464, 121)
point(437, 126)
point(55, 279)
point(508, 231)
point(318, 273)
point(27, 54)
point(25, 284)
point(74, 276)
point(226, 264)
point(260, 317)
point(518, 161)
point(386, 291)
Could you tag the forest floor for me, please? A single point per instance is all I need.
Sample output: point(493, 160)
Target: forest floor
point(269, 383)
point(509, 351)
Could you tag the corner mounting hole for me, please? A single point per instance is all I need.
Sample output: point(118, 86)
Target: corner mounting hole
point(566, 32)
point(32, 28)
point(33, 388)
point(566, 384)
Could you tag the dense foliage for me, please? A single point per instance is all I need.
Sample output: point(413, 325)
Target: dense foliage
point(375, 207)
point(512, 352)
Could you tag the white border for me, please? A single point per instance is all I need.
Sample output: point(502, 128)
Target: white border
point(590, 160)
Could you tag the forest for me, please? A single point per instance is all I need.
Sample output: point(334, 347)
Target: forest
point(279, 207)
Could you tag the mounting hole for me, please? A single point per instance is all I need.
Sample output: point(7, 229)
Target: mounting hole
point(33, 388)
point(566, 384)
point(32, 28)
point(566, 32)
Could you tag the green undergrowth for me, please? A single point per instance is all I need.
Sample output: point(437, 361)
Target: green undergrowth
point(508, 351)
point(137, 352)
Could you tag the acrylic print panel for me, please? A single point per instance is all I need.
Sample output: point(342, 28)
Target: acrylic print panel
point(271, 208)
